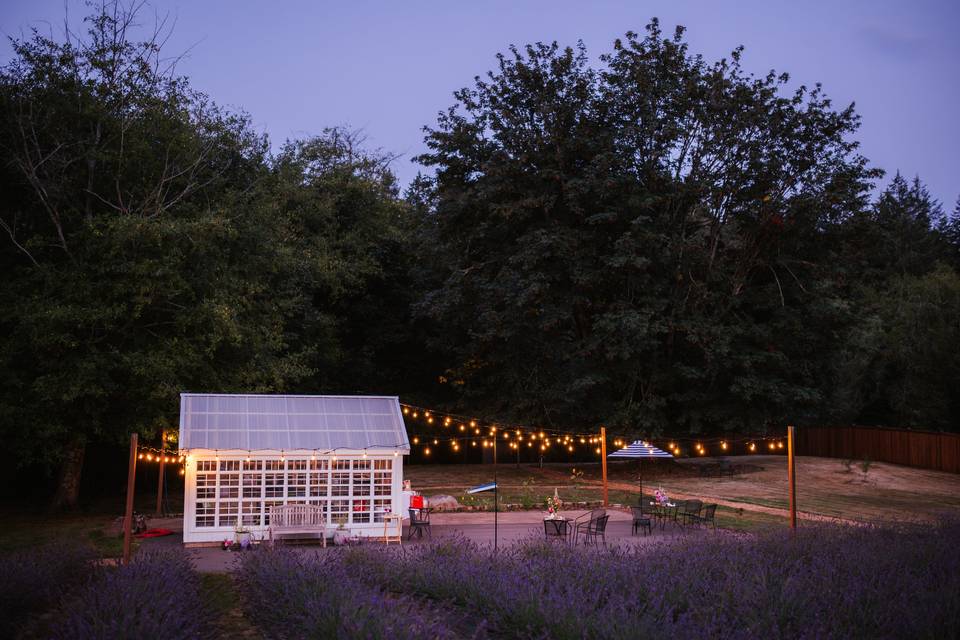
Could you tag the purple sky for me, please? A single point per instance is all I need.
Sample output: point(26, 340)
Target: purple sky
point(387, 67)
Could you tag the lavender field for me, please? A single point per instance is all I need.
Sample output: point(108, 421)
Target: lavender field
point(828, 582)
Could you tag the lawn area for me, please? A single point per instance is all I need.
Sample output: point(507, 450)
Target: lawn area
point(753, 498)
point(94, 524)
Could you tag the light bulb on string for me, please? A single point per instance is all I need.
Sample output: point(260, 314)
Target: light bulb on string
point(406, 410)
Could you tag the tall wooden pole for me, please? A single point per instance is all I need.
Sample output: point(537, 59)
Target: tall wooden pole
point(496, 495)
point(163, 446)
point(603, 461)
point(792, 473)
point(128, 513)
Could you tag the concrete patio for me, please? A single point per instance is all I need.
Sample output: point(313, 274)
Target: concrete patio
point(478, 527)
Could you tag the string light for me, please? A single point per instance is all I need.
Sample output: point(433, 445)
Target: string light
point(426, 451)
point(723, 445)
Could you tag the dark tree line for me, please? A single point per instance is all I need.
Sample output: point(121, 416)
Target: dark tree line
point(660, 243)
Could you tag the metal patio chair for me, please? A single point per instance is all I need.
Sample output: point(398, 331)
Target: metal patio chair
point(640, 521)
point(596, 529)
point(419, 522)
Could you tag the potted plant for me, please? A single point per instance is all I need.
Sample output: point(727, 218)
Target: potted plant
point(341, 535)
point(241, 535)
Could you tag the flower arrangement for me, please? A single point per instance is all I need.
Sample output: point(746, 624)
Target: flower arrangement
point(553, 505)
point(661, 496)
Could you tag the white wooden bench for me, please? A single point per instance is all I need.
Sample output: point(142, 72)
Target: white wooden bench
point(297, 520)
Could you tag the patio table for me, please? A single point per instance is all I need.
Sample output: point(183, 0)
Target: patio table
point(566, 527)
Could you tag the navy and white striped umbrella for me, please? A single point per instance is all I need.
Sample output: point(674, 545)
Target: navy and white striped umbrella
point(639, 449)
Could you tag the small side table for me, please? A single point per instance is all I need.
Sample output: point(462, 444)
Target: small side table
point(387, 519)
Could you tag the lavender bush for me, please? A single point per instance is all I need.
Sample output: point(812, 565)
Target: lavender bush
point(32, 581)
point(845, 582)
point(156, 596)
point(294, 594)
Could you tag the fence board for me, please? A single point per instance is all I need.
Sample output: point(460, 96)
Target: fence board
point(924, 449)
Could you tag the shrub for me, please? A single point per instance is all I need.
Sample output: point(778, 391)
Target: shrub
point(294, 594)
point(32, 581)
point(156, 596)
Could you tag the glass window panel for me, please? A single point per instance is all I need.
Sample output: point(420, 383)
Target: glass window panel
point(296, 485)
point(206, 479)
point(205, 514)
point(266, 509)
point(361, 511)
point(251, 513)
point(273, 485)
point(339, 511)
point(381, 507)
point(228, 512)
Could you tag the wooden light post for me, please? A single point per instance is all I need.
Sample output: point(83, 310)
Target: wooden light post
point(792, 479)
point(128, 513)
point(163, 446)
point(603, 461)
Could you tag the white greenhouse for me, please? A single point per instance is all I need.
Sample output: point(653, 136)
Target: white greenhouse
point(245, 454)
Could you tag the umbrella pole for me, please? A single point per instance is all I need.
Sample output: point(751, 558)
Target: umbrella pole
point(640, 465)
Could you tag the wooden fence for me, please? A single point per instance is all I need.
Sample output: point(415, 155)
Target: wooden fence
point(924, 449)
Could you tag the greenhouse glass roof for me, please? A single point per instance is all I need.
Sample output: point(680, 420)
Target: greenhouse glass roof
point(258, 422)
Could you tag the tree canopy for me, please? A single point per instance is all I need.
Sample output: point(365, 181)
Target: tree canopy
point(655, 242)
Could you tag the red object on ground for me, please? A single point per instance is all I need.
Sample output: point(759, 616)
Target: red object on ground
point(154, 533)
point(416, 502)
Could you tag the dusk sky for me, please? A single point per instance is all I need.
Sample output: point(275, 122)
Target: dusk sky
point(388, 68)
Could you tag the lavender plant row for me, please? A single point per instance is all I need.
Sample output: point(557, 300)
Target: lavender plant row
point(295, 594)
point(828, 582)
point(156, 596)
point(33, 581)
